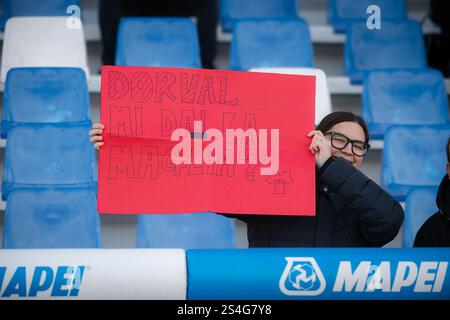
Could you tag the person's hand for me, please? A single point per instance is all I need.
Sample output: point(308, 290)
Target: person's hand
point(96, 135)
point(320, 147)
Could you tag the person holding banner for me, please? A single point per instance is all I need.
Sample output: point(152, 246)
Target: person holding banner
point(352, 210)
point(435, 232)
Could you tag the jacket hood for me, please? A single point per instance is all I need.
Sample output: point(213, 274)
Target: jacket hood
point(443, 197)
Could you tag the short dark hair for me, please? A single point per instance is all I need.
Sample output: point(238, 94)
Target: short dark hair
point(342, 116)
point(448, 150)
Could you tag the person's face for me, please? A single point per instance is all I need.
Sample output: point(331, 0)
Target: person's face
point(353, 131)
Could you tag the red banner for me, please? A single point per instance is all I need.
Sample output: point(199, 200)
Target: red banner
point(192, 140)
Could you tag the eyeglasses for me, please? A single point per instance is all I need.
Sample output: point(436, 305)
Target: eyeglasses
point(339, 141)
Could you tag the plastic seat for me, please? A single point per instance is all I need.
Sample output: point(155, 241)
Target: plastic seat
point(44, 95)
point(51, 218)
point(187, 231)
point(232, 11)
point(397, 45)
point(42, 42)
point(405, 97)
point(420, 205)
point(158, 42)
point(16, 8)
point(43, 155)
point(342, 13)
point(261, 43)
point(413, 156)
point(323, 99)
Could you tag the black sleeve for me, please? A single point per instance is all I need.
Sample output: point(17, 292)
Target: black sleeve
point(424, 237)
point(419, 241)
point(243, 217)
point(380, 215)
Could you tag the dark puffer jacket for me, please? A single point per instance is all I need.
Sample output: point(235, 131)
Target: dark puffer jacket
point(352, 211)
point(435, 232)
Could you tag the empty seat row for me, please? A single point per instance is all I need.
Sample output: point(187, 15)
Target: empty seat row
point(256, 43)
point(58, 217)
point(341, 13)
point(287, 43)
point(272, 35)
point(67, 218)
point(22, 8)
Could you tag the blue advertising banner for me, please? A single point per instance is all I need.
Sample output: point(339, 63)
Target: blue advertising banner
point(319, 273)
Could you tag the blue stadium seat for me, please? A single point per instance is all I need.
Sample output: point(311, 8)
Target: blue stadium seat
point(397, 45)
point(27, 8)
point(406, 97)
point(158, 42)
point(187, 231)
point(262, 43)
point(420, 205)
point(51, 218)
point(42, 155)
point(44, 95)
point(413, 156)
point(231, 11)
point(342, 13)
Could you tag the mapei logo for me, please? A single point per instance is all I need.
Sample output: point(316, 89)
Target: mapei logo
point(63, 281)
point(302, 277)
point(387, 276)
